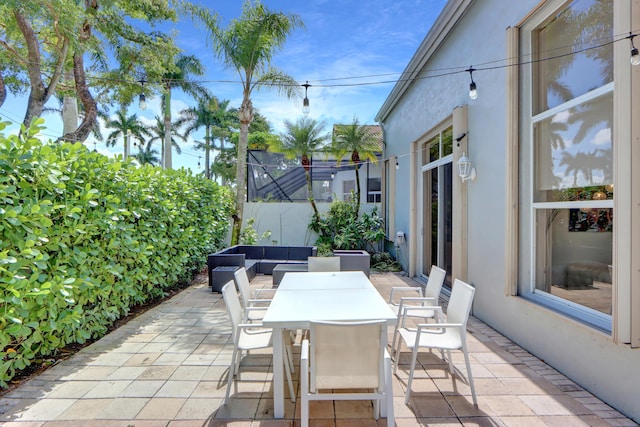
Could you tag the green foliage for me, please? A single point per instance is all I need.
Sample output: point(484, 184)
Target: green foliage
point(84, 237)
point(383, 261)
point(342, 228)
point(249, 235)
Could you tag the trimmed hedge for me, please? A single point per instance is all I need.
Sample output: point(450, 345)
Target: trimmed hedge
point(84, 237)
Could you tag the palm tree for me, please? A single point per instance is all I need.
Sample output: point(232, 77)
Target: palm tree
point(126, 126)
point(157, 133)
point(248, 45)
point(147, 155)
point(301, 140)
point(360, 143)
point(186, 66)
point(215, 117)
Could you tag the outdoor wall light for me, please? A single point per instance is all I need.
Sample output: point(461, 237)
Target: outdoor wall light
point(473, 90)
point(466, 171)
point(305, 101)
point(397, 165)
point(333, 175)
point(142, 100)
point(635, 57)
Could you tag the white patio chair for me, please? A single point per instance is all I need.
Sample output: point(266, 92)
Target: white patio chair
point(255, 309)
point(447, 336)
point(246, 337)
point(429, 297)
point(251, 299)
point(323, 263)
point(346, 361)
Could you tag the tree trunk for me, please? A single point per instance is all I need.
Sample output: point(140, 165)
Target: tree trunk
point(207, 149)
point(167, 128)
point(90, 106)
point(355, 158)
point(357, 190)
point(312, 200)
point(39, 94)
point(69, 109)
point(246, 115)
point(3, 91)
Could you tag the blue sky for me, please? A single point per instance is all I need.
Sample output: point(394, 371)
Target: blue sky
point(356, 43)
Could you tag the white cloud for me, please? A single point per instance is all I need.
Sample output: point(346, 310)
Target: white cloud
point(561, 117)
point(603, 137)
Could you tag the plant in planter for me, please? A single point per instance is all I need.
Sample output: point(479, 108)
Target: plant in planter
point(343, 228)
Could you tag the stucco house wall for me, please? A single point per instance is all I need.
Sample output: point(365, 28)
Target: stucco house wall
point(478, 38)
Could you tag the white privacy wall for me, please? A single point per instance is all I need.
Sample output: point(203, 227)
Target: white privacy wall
point(587, 356)
point(287, 222)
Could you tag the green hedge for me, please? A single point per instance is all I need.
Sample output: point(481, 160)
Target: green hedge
point(83, 238)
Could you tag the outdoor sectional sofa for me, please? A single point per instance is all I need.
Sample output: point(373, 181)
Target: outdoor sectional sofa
point(255, 259)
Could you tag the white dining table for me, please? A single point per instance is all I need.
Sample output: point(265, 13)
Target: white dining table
point(309, 296)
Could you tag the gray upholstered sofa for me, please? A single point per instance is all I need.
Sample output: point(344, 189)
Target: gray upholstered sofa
point(256, 259)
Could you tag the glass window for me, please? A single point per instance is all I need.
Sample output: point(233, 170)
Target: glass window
point(573, 52)
point(374, 190)
point(571, 141)
point(348, 189)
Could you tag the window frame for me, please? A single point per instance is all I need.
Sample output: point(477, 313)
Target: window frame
point(525, 265)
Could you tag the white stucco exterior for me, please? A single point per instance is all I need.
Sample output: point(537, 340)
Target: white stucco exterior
point(472, 33)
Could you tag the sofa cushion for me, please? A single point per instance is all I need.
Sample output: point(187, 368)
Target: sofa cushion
point(227, 259)
point(300, 253)
point(251, 266)
point(252, 252)
point(276, 252)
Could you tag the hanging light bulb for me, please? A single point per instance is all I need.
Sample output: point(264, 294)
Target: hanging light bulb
point(142, 100)
point(635, 57)
point(305, 101)
point(198, 161)
point(473, 90)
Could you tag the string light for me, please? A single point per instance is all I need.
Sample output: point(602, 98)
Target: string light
point(635, 57)
point(142, 101)
point(305, 101)
point(473, 90)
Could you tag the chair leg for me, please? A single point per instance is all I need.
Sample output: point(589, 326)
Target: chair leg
point(469, 376)
point(391, 421)
point(452, 370)
point(396, 357)
point(414, 358)
point(232, 367)
point(304, 387)
point(393, 342)
point(287, 371)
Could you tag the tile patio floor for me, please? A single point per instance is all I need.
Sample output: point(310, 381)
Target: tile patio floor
point(167, 367)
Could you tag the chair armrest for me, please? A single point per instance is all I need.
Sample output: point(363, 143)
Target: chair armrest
point(438, 326)
point(258, 301)
point(257, 293)
point(403, 289)
point(406, 312)
point(403, 303)
point(253, 326)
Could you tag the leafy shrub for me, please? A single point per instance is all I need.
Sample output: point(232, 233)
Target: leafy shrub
point(249, 235)
point(341, 228)
point(84, 237)
point(383, 261)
